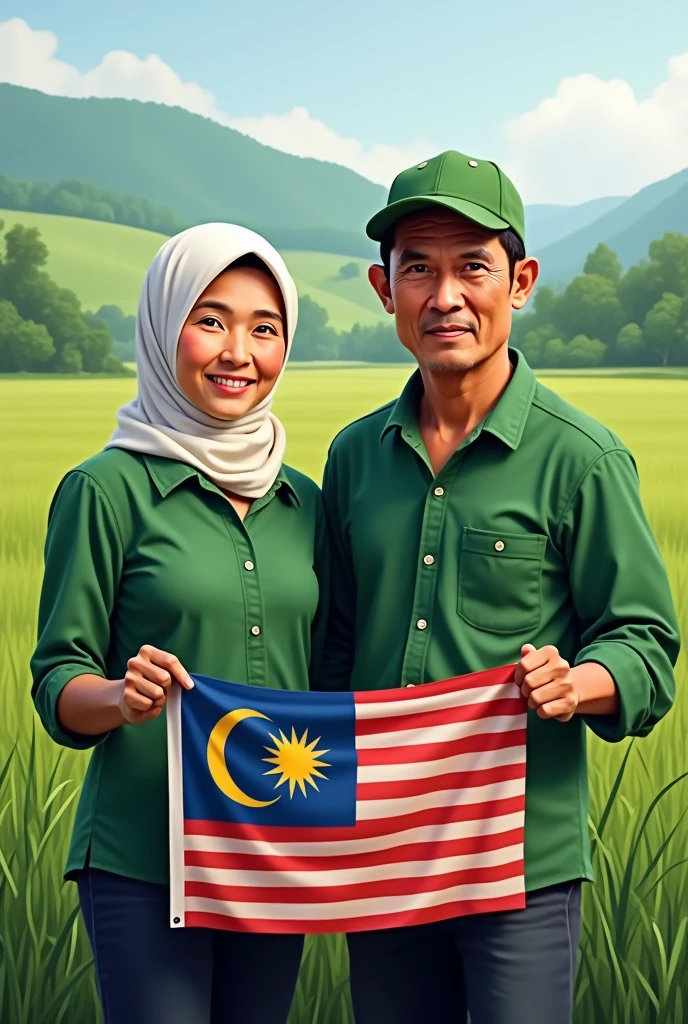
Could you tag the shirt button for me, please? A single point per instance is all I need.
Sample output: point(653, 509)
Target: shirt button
point(255, 630)
point(410, 684)
point(421, 624)
point(499, 545)
point(439, 491)
point(249, 565)
point(428, 560)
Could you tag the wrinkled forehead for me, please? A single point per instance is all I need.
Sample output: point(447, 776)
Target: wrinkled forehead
point(440, 228)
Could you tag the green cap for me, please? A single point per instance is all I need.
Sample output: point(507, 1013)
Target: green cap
point(476, 189)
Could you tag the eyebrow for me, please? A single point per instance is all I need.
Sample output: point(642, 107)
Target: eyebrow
point(222, 307)
point(414, 256)
point(481, 254)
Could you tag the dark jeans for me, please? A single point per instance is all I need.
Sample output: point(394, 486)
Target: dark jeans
point(515, 967)
point(149, 973)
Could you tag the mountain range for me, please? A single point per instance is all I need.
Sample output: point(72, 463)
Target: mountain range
point(204, 171)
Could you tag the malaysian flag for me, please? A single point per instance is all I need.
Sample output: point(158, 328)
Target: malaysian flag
point(305, 812)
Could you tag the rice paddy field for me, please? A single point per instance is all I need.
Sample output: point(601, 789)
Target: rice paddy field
point(634, 955)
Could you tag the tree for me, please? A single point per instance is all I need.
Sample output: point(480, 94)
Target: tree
point(604, 262)
point(639, 289)
point(24, 345)
point(661, 329)
point(314, 338)
point(349, 270)
point(76, 341)
point(630, 344)
point(374, 344)
point(590, 306)
point(670, 254)
point(536, 341)
point(580, 352)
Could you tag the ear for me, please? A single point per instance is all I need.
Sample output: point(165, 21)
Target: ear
point(378, 279)
point(525, 275)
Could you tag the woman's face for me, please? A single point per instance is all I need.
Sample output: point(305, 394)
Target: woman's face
point(232, 346)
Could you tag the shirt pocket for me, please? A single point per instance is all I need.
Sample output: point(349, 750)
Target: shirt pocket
point(500, 580)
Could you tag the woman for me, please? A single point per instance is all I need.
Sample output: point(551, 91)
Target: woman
point(185, 546)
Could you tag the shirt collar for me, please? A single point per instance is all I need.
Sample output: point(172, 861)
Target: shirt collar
point(168, 474)
point(506, 421)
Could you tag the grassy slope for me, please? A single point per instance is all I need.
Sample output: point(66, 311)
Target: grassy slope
point(105, 263)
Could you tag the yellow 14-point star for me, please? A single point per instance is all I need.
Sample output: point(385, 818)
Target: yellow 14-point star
point(296, 761)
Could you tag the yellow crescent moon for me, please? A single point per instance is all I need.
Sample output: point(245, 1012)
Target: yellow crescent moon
point(216, 758)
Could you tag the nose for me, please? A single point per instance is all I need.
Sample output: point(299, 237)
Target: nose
point(448, 295)
point(236, 349)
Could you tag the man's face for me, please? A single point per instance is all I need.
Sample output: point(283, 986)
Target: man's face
point(450, 291)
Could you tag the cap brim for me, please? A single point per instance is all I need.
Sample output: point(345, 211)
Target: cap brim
point(384, 220)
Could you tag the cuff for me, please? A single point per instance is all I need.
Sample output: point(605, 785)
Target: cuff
point(629, 672)
point(49, 689)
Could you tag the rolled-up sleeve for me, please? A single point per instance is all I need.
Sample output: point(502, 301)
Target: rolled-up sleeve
point(621, 595)
point(83, 562)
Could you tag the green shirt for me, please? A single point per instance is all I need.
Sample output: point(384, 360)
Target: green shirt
point(146, 550)
point(533, 532)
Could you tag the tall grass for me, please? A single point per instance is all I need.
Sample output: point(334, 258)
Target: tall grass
point(634, 954)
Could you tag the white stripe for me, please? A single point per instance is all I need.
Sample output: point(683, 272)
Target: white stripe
point(433, 734)
point(355, 908)
point(478, 795)
point(351, 876)
point(420, 834)
point(459, 698)
point(443, 766)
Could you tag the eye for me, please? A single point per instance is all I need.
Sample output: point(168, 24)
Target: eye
point(475, 267)
point(418, 268)
point(265, 329)
point(211, 321)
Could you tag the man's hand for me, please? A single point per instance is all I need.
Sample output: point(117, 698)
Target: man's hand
point(545, 680)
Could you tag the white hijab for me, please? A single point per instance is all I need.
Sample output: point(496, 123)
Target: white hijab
point(243, 455)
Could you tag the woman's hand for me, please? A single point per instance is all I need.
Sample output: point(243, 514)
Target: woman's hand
point(150, 675)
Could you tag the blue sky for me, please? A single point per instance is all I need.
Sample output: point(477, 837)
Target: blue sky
point(385, 74)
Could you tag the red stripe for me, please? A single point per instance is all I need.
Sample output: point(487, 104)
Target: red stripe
point(430, 849)
point(362, 830)
point(354, 890)
point(441, 716)
point(413, 753)
point(492, 677)
point(456, 781)
point(400, 919)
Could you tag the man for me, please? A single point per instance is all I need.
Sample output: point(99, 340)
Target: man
point(478, 521)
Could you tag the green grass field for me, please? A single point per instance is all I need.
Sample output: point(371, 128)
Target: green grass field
point(634, 960)
point(105, 264)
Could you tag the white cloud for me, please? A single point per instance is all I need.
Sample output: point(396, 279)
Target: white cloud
point(595, 137)
point(28, 58)
point(299, 133)
point(591, 138)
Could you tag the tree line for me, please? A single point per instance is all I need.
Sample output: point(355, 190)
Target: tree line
point(604, 317)
point(608, 317)
point(77, 197)
point(42, 326)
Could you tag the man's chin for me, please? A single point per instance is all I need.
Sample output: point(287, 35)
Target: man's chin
point(449, 364)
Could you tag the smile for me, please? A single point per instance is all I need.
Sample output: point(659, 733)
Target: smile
point(230, 384)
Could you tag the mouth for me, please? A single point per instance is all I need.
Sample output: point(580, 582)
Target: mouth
point(449, 332)
point(230, 384)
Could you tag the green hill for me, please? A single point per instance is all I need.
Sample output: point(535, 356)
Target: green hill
point(199, 169)
point(547, 224)
point(105, 264)
point(628, 229)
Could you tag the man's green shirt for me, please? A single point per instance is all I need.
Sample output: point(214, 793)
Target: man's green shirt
point(533, 532)
point(146, 550)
